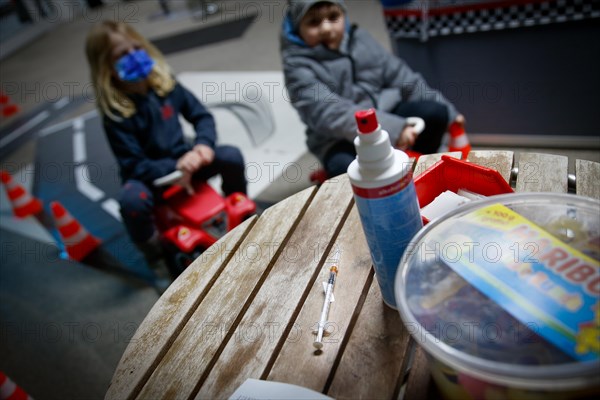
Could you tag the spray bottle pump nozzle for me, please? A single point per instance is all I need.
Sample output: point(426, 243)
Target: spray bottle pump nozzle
point(366, 120)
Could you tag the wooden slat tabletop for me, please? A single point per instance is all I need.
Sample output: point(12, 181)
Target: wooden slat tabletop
point(501, 161)
point(542, 173)
point(587, 174)
point(281, 295)
point(247, 307)
point(166, 320)
point(217, 317)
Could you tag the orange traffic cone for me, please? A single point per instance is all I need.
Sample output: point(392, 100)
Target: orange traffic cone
point(78, 241)
point(459, 140)
point(413, 154)
point(7, 109)
point(10, 390)
point(24, 204)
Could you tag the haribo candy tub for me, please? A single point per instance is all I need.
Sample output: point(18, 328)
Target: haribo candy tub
point(477, 349)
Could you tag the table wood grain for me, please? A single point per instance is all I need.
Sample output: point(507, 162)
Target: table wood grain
point(247, 307)
point(542, 173)
point(587, 175)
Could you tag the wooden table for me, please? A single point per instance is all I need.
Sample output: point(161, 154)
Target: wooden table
point(247, 307)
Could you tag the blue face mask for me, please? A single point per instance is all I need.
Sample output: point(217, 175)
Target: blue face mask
point(134, 66)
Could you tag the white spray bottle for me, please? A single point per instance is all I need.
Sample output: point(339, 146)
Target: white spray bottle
point(385, 196)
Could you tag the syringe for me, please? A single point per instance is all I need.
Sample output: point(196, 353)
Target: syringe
point(318, 343)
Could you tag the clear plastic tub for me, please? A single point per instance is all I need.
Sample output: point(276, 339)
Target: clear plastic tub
point(477, 349)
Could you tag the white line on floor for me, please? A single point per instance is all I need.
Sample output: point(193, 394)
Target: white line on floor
point(79, 151)
point(84, 185)
point(112, 207)
point(60, 126)
point(78, 124)
point(61, 103)
point(24, 128)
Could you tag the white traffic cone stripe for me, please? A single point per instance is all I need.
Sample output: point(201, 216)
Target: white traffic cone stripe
point(63, 221)
point(76, 238)
point(78, 242)
point(459, 141)
point(7, 389)
point(22, 201)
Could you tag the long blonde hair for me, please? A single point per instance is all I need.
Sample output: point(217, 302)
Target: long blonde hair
point(111, 100)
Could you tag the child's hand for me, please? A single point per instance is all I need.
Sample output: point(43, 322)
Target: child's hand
point(207, 154)
point(189, 163)
point(186, 182)
point(407, 138)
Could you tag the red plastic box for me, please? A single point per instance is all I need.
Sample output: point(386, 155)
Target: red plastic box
point(453, 174)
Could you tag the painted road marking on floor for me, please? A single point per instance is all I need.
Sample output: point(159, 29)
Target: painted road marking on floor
point(112, 207)
point(65, 124)
point(79, 152)
point(82, 180)
point(62, 103)
point(24, 128)
point(78, 124)
point(83, 184)
point(82, 171)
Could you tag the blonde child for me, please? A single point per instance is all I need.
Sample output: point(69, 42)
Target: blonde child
point(140, 103)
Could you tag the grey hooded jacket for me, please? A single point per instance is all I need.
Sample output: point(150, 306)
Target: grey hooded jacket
point(327, 87)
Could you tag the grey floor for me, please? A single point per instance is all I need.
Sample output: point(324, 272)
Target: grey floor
point(63, 325)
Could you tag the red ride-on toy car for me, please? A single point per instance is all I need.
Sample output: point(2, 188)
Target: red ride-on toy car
point(189, 224)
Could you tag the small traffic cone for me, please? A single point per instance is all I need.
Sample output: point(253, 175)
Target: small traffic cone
point(7, 109)
point(24, 204)
point(78, 241)
point(318, 177)
point(10, 390)
point(413, 154)
point(459, 140)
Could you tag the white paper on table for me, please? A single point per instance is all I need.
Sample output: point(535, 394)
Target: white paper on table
point(443, 203)
point(256, 389)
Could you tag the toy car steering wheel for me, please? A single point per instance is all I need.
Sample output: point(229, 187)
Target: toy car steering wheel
point(168, 179)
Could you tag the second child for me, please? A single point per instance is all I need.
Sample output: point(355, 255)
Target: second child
point(333, 69)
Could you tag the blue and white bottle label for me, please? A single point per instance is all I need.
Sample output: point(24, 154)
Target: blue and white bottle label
point(390, 218)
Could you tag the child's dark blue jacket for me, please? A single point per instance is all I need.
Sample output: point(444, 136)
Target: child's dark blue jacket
point(148, 144)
